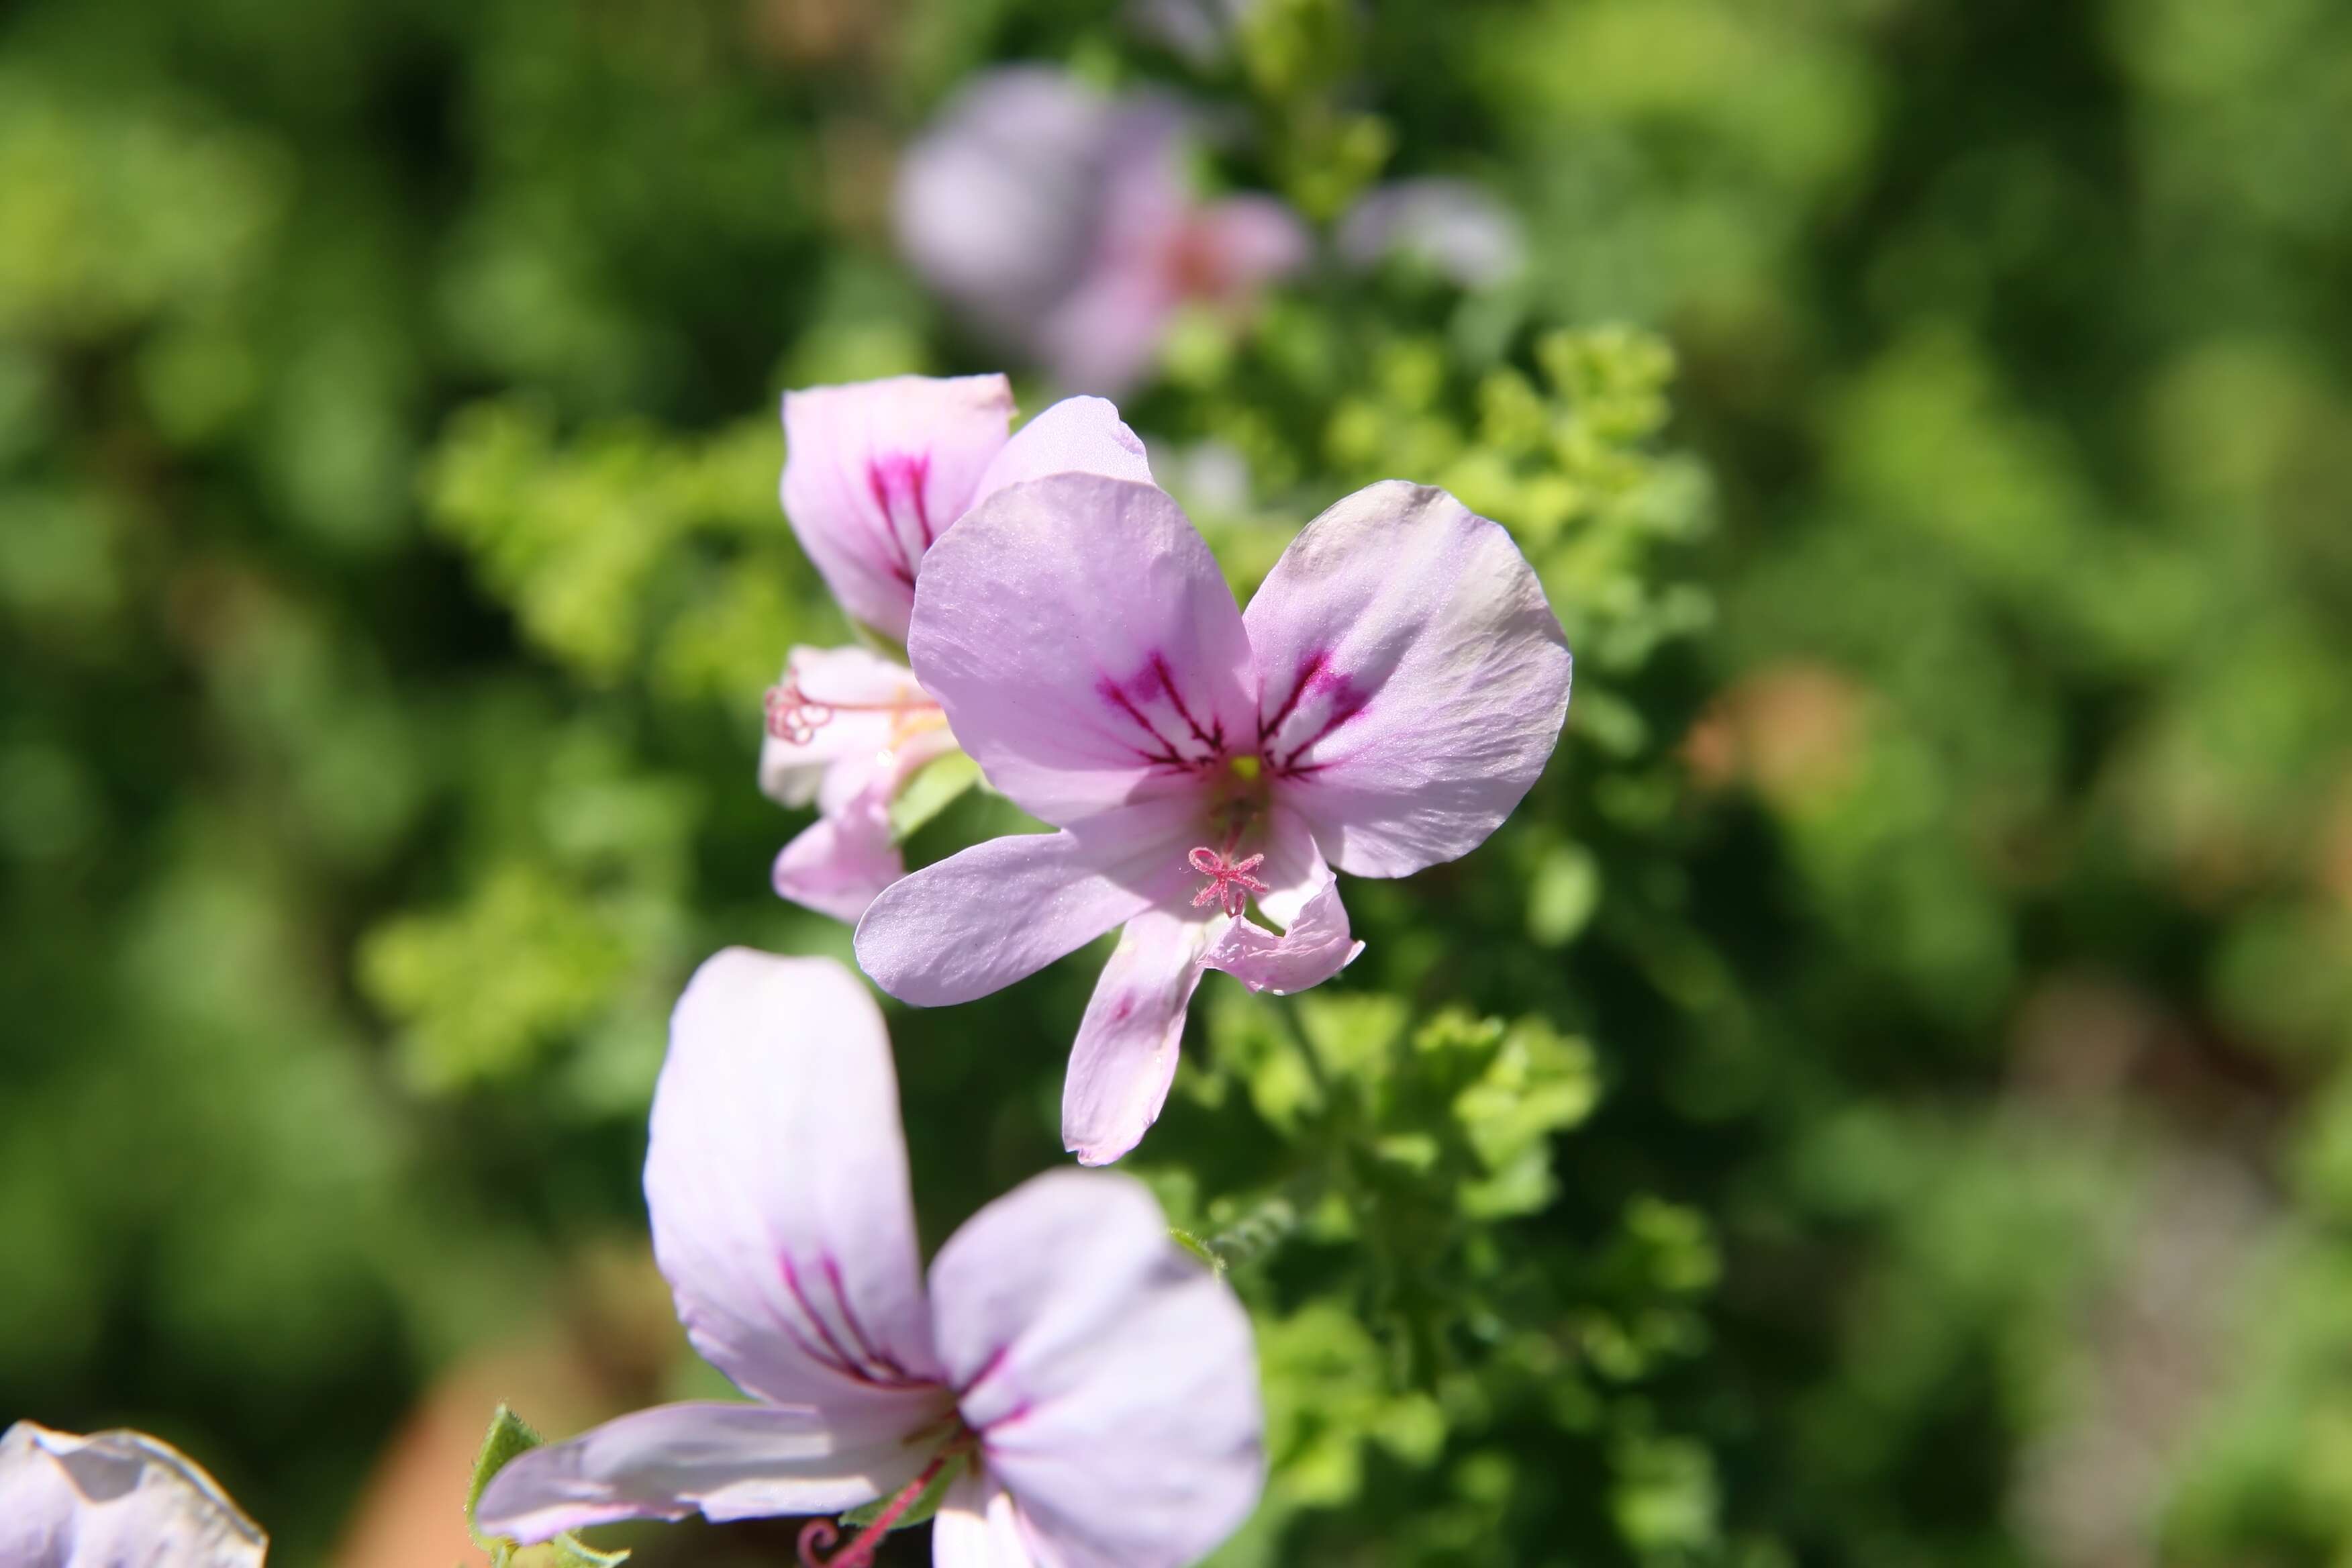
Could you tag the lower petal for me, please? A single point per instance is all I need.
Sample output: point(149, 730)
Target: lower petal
point(1126, 1053)
point(838, 865)
point(978, 1527)
point(1317, 946)
point(115, 1498)
point(1294, 870)
point(1109, 1372)
point(999, 912)
point(722, 1461)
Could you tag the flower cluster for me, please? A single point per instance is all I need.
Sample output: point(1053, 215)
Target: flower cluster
point(1391, 694)
point(1067, 1386)
point(1066, 225)
point(873, 474)
point(1071, 1387)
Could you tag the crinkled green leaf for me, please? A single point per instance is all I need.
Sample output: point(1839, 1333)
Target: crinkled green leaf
point(509, 1436)
point(925, 1505)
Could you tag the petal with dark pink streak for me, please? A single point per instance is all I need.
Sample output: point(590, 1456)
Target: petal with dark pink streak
point(1412, 679)
point(1085, 647)
point(876, 471)
point(776, 1180)
point(1109, 1372)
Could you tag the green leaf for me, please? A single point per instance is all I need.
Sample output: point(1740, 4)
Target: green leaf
point(1563, 895)
point(509, 1436)
point(925, 1506)
point(931, 791)
point(1198, 1248)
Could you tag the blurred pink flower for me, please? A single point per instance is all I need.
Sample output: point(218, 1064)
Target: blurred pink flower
point(115, 1500)
point(1394, 689)
point(1088, 1390)
point(1456, 228)
point(1066, 224)
point(874, 473)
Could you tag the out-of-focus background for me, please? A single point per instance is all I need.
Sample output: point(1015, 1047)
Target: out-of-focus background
point(1881, 1101)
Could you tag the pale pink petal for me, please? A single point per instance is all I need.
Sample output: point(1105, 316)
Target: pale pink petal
point(1109, 1374)
point(1160, 250)
point(979, 920)
point(999, 203)
point(1412, 679)
point(1147, 192)
point(1106, 331)
point(1085, 647)
point(722, 1461)
point(838, 864)
point(1106, 336)
point(1317, 946)
point(1243, 243)
point(853, 712)
point(777, 1183)
point(1076, 435)
point(978, 1527)
point(1294, 870)
point(1125, 1056)
point(876, 471)
point(115, 1500)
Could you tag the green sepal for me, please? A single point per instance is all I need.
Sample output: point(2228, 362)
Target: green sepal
point(925, 1506)
point(509, 1436)
point(1198, 1248)
point(937, 785)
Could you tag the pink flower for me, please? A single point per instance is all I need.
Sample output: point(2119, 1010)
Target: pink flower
point(1086, 1391)
point(1066, 222)
point(115, 1500)
point(874, 473)
point(846, 730)
point(1394, 689)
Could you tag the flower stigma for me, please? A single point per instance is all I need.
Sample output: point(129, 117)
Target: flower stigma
point(1230, 883)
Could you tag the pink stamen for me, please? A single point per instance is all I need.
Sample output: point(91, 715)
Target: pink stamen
point(792, 717)
point(1230, 883)
point(795, 717)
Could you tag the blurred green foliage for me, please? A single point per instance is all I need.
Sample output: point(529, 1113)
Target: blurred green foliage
point(1881, 1100)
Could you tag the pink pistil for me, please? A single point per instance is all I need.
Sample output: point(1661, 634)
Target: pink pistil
point(1230, 883)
